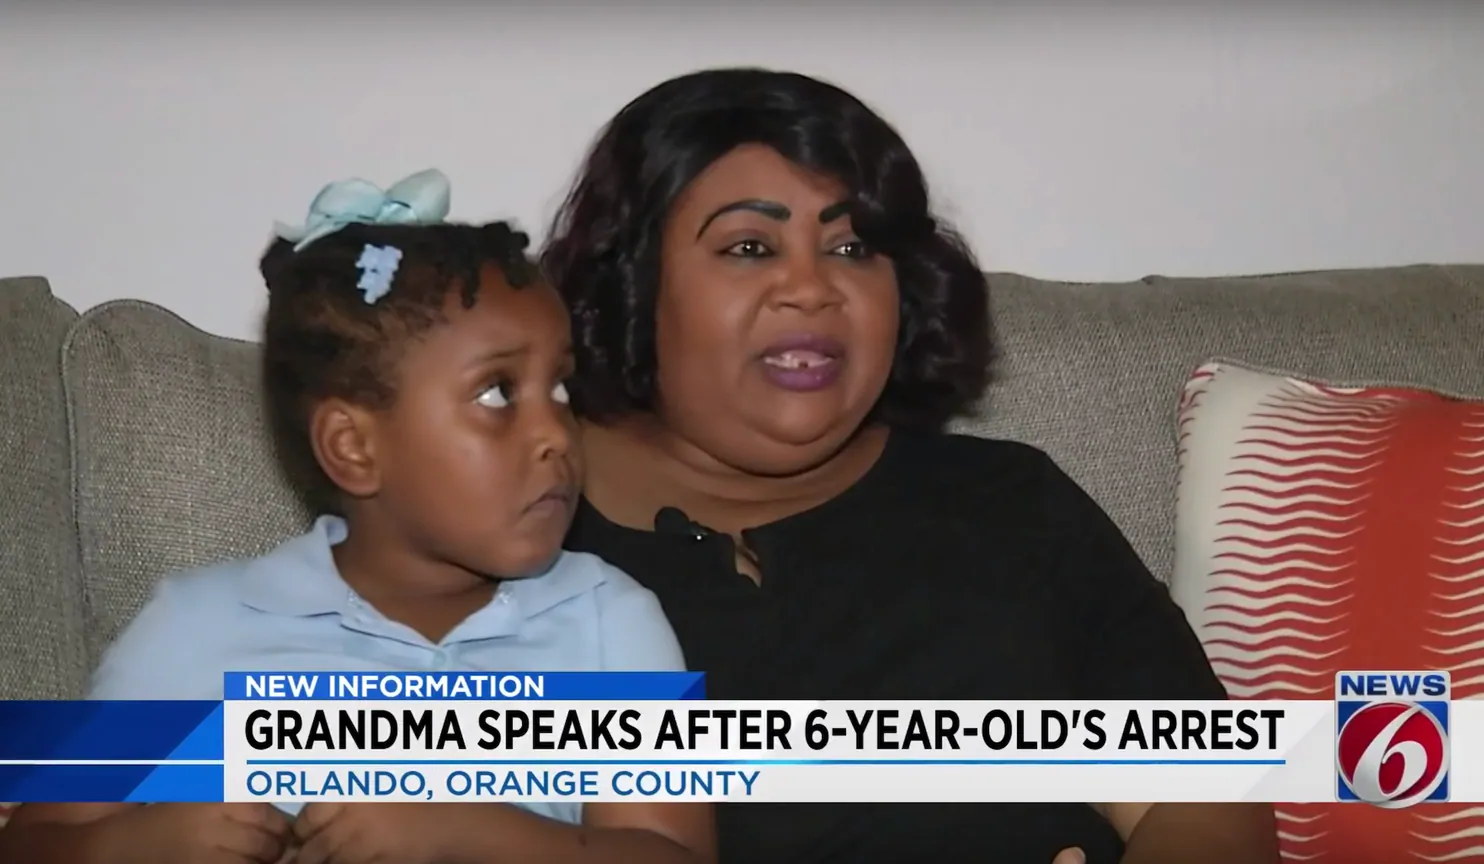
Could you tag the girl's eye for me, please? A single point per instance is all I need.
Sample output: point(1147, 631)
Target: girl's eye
point(748, 249)
point(497, 396)
point(559, 394)
point(853, 249)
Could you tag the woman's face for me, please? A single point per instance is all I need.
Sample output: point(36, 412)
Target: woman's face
point(775, 325)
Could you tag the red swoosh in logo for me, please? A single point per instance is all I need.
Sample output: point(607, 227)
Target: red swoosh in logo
point(1351, 536)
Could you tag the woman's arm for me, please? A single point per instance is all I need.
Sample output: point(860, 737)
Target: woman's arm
point(1136, 644)
point(1210, 833)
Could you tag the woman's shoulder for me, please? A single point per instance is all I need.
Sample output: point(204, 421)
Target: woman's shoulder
point(959, 448)
point(971, 481)
point(970, 461)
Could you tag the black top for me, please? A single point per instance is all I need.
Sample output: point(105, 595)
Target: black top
point(956, 568)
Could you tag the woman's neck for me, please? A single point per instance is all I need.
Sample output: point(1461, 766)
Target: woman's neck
point(636, 467)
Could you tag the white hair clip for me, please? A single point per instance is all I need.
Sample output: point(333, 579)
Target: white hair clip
point(378, 265)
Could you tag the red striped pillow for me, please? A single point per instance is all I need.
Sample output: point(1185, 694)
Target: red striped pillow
point(1321, 528)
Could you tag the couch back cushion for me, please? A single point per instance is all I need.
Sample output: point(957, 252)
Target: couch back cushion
point(173, 465)
point(1093, 373)
point(41, 628)
point(174, 468)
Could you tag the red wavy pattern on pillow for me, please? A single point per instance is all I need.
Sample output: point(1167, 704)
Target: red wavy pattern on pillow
point(1353, 538)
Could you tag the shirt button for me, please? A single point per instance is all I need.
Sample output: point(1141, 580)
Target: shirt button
point(440, 659)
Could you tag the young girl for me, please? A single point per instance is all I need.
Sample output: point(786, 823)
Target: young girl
point(416, 370)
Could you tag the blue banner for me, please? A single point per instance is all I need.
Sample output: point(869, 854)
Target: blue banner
point(465, 686)
point(106, 731)
point(108, 784)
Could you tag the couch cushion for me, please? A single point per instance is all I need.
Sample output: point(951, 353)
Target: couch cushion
point(1092, 373)
point(41, 632)
point(173, 467)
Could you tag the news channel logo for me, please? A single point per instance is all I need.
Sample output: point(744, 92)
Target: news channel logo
point(1391, 739)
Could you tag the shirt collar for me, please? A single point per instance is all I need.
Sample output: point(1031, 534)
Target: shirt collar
point(299, 578)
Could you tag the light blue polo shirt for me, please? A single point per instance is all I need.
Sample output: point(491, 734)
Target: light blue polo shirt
point(289, 610)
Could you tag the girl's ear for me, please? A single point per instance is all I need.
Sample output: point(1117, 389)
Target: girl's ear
point(343, 436)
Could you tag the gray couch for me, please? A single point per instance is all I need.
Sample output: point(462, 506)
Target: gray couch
point(132, 442)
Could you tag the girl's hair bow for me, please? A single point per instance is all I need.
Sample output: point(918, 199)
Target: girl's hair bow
point(421, 199)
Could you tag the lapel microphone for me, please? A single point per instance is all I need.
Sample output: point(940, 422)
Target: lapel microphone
point(673, 521)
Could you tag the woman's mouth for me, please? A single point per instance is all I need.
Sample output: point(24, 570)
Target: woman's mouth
point(803, 362)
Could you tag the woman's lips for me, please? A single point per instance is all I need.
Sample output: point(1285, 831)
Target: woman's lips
point(803, 362)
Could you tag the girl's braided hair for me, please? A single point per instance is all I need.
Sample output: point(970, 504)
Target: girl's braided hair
point(322, 340)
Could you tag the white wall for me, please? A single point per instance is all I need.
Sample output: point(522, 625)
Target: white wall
point(146, 150)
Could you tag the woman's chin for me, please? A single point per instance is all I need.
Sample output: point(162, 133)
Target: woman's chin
point(784, 449)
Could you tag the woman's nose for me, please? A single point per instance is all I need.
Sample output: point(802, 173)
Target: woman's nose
point(807, 286)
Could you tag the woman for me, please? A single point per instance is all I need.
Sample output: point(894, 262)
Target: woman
point(771, 330)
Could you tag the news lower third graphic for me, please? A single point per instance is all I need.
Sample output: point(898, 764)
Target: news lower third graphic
point(294, 737)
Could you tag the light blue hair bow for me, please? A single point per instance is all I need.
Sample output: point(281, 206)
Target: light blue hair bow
point(421, 199)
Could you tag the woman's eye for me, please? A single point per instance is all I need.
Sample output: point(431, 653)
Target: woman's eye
point(748, 249)
point(853, 249)
point(497, 396)
point(559, 394)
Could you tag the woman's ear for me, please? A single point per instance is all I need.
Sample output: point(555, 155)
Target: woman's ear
point(343, 436)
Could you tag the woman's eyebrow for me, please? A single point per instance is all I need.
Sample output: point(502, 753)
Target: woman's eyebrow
point(833, 212)
point(770, 209)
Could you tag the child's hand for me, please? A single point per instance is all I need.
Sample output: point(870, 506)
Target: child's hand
point(363, 833)
point(205, 834)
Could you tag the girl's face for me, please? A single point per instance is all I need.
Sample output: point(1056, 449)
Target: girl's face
point(775, 325)
point(476, 458)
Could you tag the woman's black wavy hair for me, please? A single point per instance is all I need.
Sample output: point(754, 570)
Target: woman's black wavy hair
point(603, 249)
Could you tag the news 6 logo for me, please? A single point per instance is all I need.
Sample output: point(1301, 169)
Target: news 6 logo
point(1391, 742)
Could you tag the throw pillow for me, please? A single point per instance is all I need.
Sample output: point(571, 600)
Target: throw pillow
point(1323, 528)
